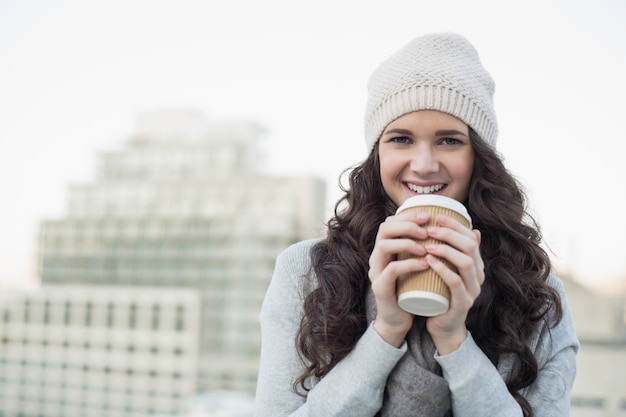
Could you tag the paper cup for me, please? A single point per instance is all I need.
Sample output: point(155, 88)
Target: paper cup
point(424, 293)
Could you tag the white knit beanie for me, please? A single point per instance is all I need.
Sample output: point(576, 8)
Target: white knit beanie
point(440, 71)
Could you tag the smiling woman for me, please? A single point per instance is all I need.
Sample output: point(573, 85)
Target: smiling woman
point(505, 346)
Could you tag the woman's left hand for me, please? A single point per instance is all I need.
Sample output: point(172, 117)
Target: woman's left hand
point(460, 247)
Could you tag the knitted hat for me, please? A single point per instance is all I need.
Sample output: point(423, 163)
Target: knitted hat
point(440, 71)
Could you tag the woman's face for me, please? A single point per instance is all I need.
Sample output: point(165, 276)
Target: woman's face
point(426, 152)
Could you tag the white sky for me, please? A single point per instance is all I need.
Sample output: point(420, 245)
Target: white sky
point(74, 74)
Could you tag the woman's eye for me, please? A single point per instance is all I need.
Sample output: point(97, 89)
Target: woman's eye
point(451, 141)
point(401, 139)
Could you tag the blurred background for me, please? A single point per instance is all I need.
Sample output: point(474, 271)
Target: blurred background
point(156, 156)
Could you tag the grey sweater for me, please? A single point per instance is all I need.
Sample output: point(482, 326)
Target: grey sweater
point(356, 385)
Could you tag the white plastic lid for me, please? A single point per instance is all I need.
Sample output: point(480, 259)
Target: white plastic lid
point(435, 200)
point(423, 303)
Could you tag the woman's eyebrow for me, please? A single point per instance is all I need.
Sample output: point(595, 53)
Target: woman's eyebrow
point(397, 131)
point(449, 132)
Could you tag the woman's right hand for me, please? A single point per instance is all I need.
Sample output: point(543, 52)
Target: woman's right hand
point(395, 235)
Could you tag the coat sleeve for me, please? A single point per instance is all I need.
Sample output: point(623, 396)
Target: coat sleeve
point(556, 354)
point(477, 388)
point(354, 387)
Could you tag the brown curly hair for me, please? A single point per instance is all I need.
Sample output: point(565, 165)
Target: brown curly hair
point(513, 299)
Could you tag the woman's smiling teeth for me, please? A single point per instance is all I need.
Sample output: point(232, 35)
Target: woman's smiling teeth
point(425, 190)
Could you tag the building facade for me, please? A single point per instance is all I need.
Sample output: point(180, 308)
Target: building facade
point(600, 387)
point(114, 352)
point(185, 205)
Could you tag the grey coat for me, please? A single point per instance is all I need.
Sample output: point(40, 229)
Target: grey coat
point(355, 387)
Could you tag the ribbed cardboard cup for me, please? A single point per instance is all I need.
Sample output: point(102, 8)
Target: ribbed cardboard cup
point(424, 293)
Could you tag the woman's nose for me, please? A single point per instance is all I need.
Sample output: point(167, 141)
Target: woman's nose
point(424, 161)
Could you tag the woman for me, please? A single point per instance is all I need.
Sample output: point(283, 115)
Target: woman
point(334, 340)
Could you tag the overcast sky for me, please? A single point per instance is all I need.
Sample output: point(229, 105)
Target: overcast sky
point(74, 75)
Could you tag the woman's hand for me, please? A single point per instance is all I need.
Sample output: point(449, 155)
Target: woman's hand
point(395, 235)
point(460, 247)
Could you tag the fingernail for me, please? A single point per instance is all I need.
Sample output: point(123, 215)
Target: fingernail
point(432, 259)
point(421, 215)
point(420, 249)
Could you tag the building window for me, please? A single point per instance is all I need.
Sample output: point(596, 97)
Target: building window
point(132, 316)
point(155, 316)
point(67, 313)
point(88, 314)
point(46, 312)
point(109, 319)
point(180, 322)
point(582, 402)
point(26, 311)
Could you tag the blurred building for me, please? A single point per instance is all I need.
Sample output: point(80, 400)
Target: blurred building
point(600, 386)
point(185, 205)
point(76, 352)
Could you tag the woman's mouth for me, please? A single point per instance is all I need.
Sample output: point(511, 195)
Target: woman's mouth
point(428, 189)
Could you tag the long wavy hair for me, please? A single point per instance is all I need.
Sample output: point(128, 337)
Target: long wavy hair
point(514, 297)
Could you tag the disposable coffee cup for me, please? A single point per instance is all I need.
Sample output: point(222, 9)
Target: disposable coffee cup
point(424, 293)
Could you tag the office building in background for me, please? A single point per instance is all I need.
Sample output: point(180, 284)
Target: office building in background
point(600, 321)
point(110, 352)
point(184, 204)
